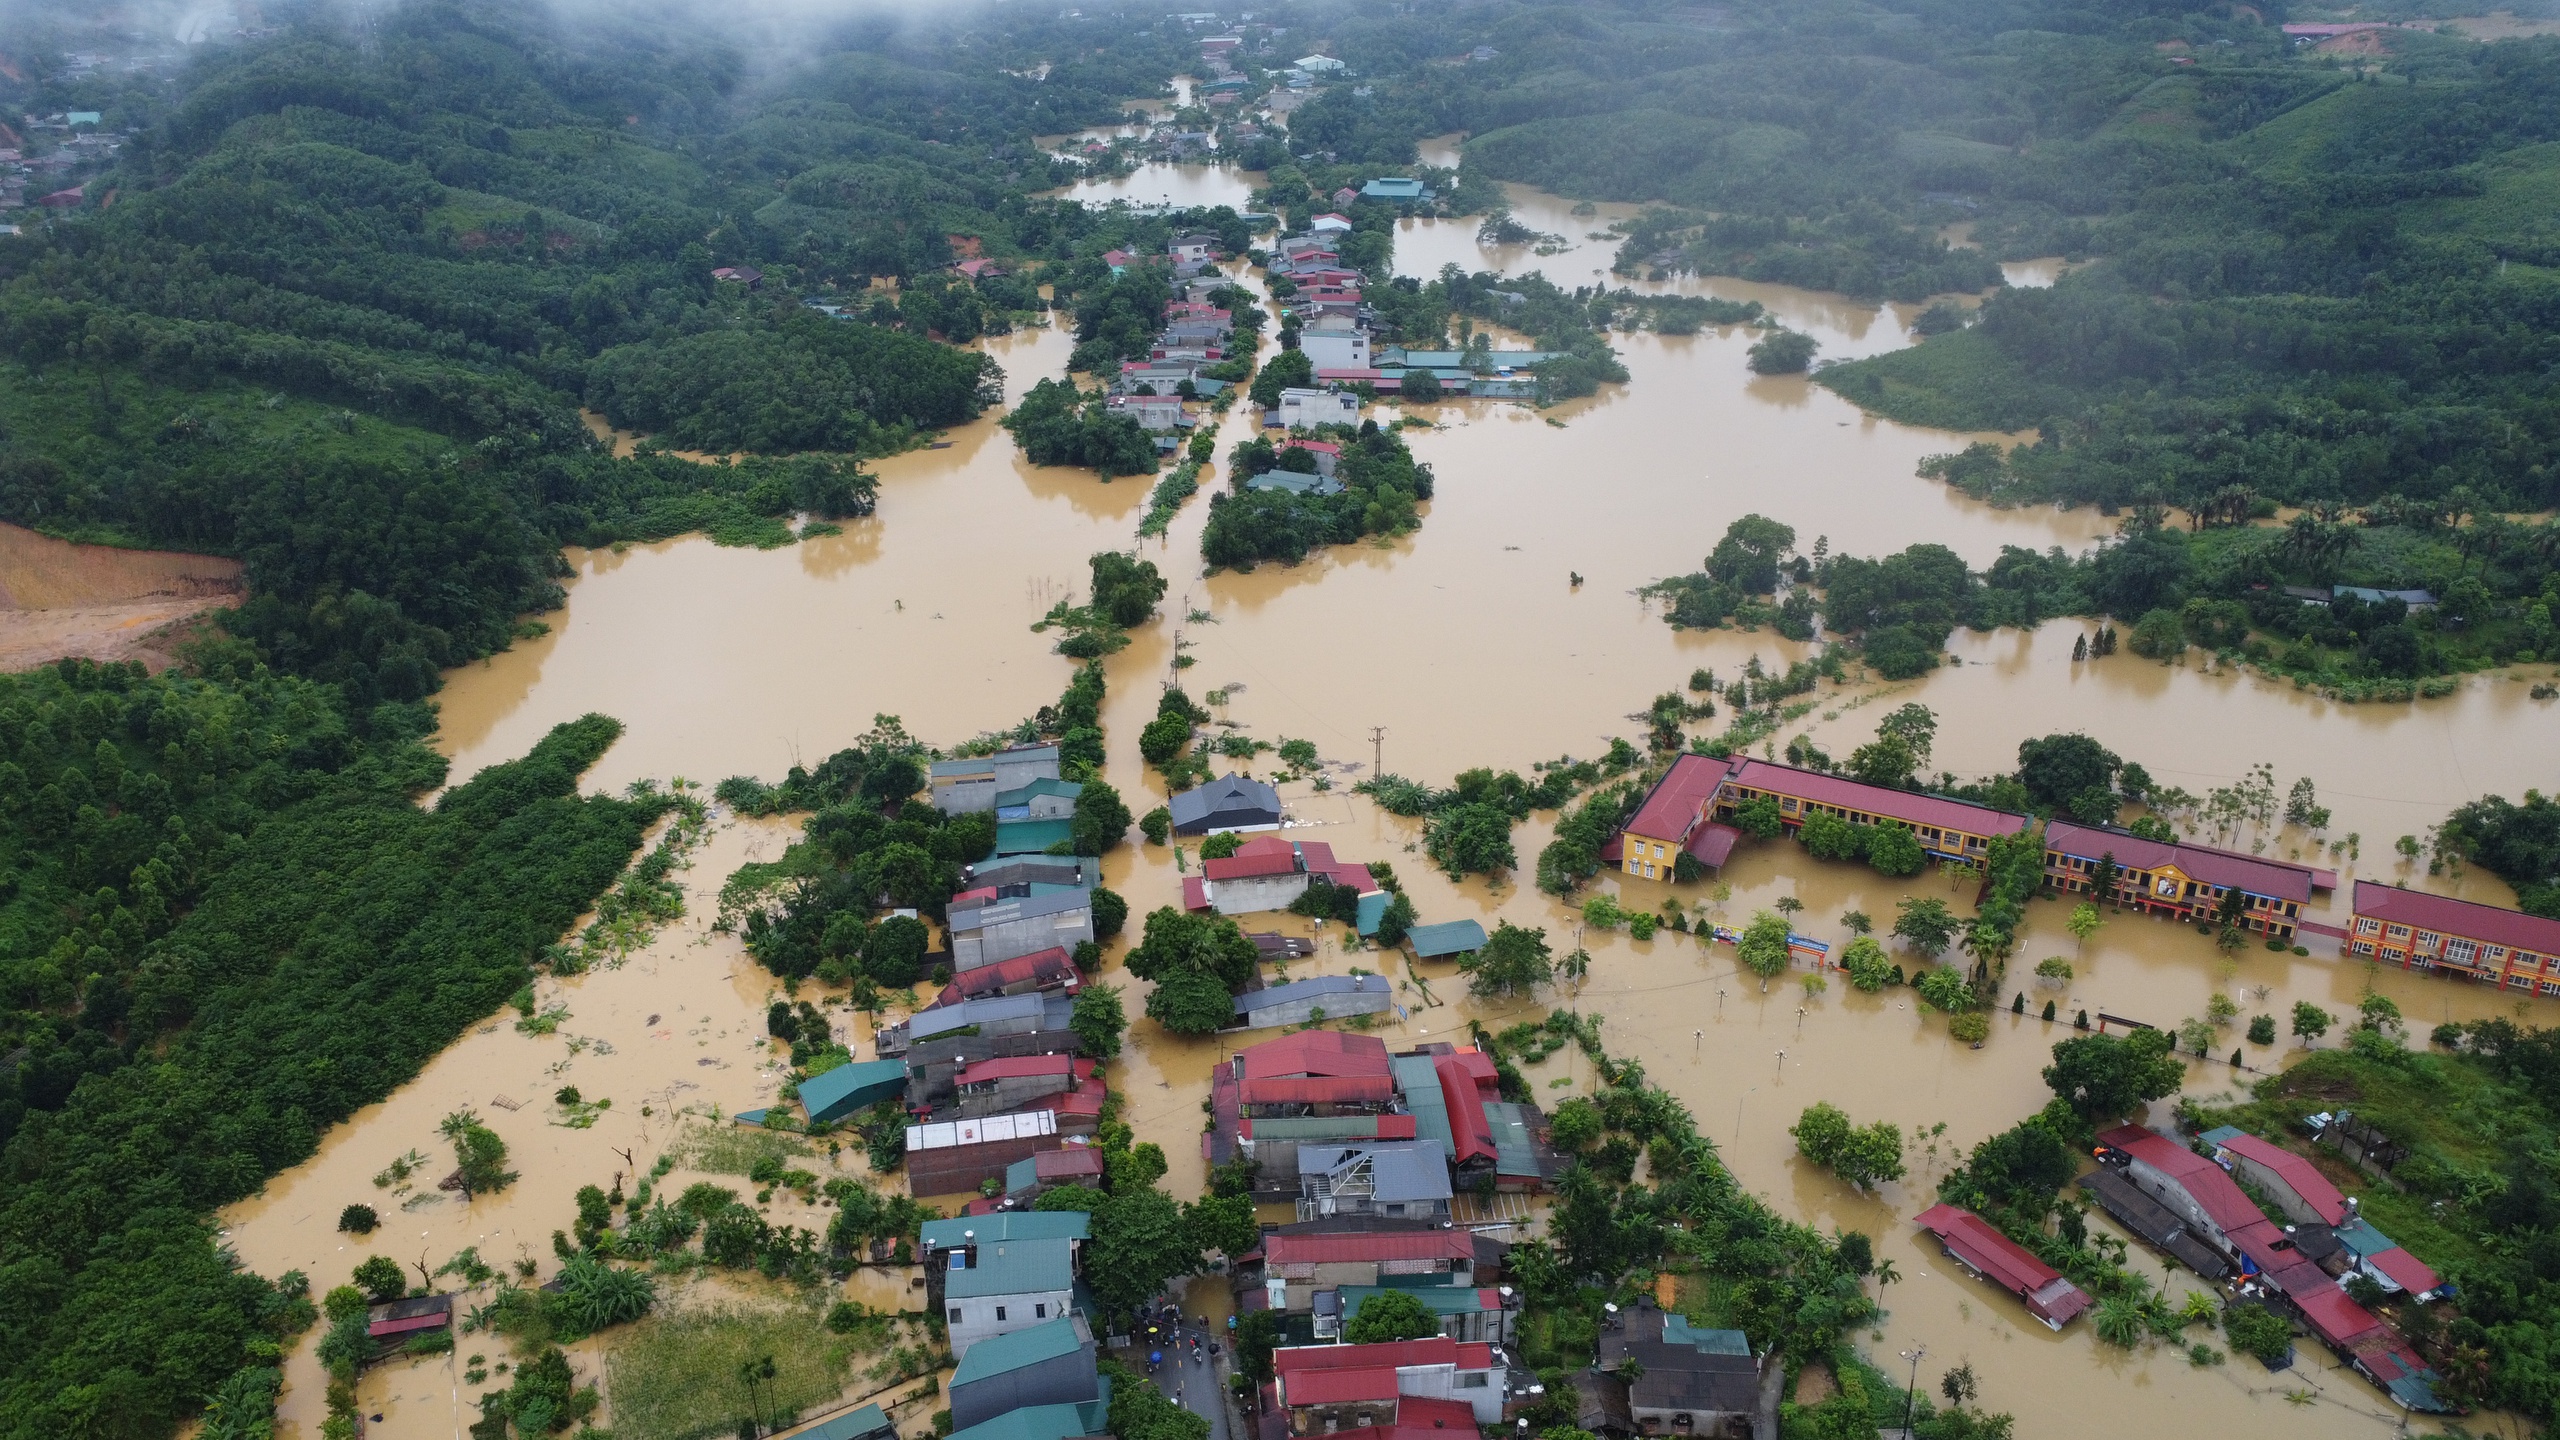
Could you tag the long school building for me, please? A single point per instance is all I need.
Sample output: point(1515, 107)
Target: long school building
point(2187, 882)
point(2494, 946)
point(1686, 809)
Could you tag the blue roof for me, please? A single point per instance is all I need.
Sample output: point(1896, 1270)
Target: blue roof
point(1676, 1330)
point(1030, 837)
point(1373, 908)
point(1044, 1422)
point(848, 1088)
point(1449, 937)
point(1013, 1267)
point(1019, 1349)
point(1007, 1225)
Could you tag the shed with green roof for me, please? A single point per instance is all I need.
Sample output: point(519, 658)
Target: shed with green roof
point(1445, 940)
point(848, 1090)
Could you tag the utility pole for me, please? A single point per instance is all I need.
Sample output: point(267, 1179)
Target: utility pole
point(1911, 1396)
point(1377, 751)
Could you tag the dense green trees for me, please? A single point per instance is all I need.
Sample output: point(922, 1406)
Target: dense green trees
point(1383, 487)
point(1865, 1156)
point(1057, 424)
point(1390, 1315)
point(782, 385)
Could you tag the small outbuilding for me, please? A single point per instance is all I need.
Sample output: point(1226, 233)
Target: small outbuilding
point(1446, 940)
point(848, 1090)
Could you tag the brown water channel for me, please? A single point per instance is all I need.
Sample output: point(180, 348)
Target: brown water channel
point(1469, 644)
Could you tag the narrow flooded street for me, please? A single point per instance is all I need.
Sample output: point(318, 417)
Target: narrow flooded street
point(1470, 643)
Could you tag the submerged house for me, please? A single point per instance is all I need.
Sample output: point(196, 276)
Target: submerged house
point(1672, 1378)
point(1230, 802)
point(964, 786)
point(1300, 1002)
point(1975, 1245)
point(2174, 878)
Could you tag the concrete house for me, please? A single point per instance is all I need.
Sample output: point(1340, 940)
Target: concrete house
point(1016, 1082)
point(992, 1275)
point(1051, 1364)
point(1328, 1388)
point(961, 787)
point(1329, 224)
point(1269, 873)
point(1477, 1313)
point(1298, 1002)
point(1302, 409)
point(1407, 1179)
point(1039, 800)
point(1995, 1257)
point(1296, 1266)
point(1688, 1381)
point(1050, 969)
point(2295, 1185)
point(2190, 1186)
point(1088, 1421)
point(1230, 802)
point(1336, 342)
point(947, 1157)
point(1000, 930)
point(1319, 65)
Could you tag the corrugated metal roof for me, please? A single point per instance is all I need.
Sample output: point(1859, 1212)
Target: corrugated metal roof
point(1021, 907)
point(1012, 1267)
point(2225, 868)
point(1904, 805)
point(2003, 1261)
point(2406, 1270)
point(2334, 1317)
point(1449, 937)
point(1031, 837)
point(1315, 1052)
point(2301, 1174)
point(2216, 1193)
point(1338, 1387)
point(1227, 792)
point(1315, 988)
point(1361, 1247)
point(1419, 1079)
point(1318, 1089)
point(1011, 1225)
point(1003, 1354)
point(1400, 1172)
point(2446, 915)
point(1679, 798)
point(1469, 1136)
point(857, 1086)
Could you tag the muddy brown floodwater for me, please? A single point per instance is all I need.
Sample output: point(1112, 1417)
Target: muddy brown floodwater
point(1470, 644)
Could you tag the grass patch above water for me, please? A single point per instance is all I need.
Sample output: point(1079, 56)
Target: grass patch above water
point(674, 1376)
point(722, 1148)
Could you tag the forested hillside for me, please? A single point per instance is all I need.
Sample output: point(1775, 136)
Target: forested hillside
point(2320, 274)
point(333, 306)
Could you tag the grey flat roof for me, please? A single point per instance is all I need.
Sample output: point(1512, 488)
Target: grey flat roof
point(986, 1010)
point(1312, 989)
point(1400, 1169)
point(1022, 907)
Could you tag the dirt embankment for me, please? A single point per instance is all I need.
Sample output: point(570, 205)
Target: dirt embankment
point(99, 602)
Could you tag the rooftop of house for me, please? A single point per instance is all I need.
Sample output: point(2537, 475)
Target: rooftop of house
point(2297, 1172)
point(1020, 1349)
point(1024, 794)
point(2215, 1192)
point(1045, 1422)
point(1315, 1052)
point(1228, 792)
point(1314, 988)
point(1680, 798)
point(1013, 1225)
point(986, 764)
point(1361, 1247)
point(1020, 907)
point(1903, 805)
point(1047, 969)
point(821, 1091)
point(2225, 869)
point(1400, 1171)
point(2447, 916)
point(1012, 1267)
point(1449, 937)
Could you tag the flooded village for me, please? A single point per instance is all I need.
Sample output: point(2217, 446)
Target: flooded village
point(1508, 630)
point(1373, 992)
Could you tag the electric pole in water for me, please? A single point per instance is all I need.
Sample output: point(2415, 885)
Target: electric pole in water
point(1377, 751)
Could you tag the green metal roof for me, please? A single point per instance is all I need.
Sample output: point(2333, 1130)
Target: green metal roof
point(1420, 1082)
point(1373, 908)
point(1003, 1354)
point(1514, 1152)
point(849, 1088)
point(1044, 1422)
point(1316, 1127)
point(1031, 837)
point(1021, 794)
point(1014, 1267)
point(1676, 1330)
point(1007, 1225)
point(1449, 937)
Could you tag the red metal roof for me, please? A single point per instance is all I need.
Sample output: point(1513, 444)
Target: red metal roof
point(1195, 892)
point(1679, 798)
point(1315, 447)
point(2264, 1244)
point(2215, 1192)
point(1902, 805)
point(1319, 1089)
point(2301, 1174)
point(1467, 1131)
point(1052, 966)
point(2406, 1270)
point(2004, 1262)
point(1241, 866)
point(2334, 1317)
point(1426, 1413)
point(1016, 1067)
point(436, 1320)
point(1316, 1052)
point(1479, 1067)
point(1338, 1387)
point(2225, 868)
point(1713, 844)
point(1370, 1247)
point(1068, 1163)
point(2442, 913)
